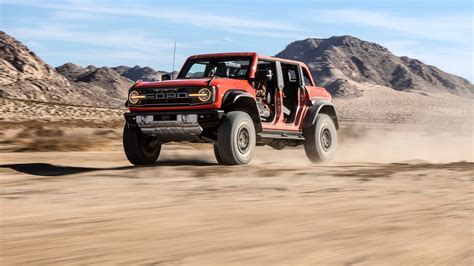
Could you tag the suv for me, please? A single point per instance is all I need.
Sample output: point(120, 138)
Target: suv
point(235, 101)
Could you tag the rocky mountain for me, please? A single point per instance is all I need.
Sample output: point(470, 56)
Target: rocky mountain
point(112, 83)
point(21, 68)
point(23, 75)
point(73, 72)
point(342, 63)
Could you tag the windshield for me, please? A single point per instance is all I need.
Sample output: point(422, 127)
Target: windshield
point(236, 68)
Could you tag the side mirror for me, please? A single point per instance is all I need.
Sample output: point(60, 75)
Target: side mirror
point(165, 77)
point(264, 75)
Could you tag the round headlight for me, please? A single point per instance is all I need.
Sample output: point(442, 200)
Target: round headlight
point(205, 94)
point(133, 97)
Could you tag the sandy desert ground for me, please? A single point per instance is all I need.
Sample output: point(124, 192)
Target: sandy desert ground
point(400, 192)
point(393, 197)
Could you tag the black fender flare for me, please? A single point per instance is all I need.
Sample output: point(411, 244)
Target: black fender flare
point(240, 100)
point(232, 95)
point(320, 106)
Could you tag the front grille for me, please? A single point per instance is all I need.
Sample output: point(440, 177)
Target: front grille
point(170, 96)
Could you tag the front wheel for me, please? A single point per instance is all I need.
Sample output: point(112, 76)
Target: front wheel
point(216, 153)
point(139, 148)
point(321, 139)
point(236, 139)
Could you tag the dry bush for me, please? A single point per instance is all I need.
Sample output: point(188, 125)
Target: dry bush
point(108, 134)
point(67, 143)
point(39, 138)
point(25, 133)
point(42, 132)
point(101, 132)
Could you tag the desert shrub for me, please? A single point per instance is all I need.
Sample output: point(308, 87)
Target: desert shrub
point(69, 143)
point(25, 133)
point(38, 138)
point(102, 132)
point(44, 132)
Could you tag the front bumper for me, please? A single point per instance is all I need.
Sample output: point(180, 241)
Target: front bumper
point(175, 125)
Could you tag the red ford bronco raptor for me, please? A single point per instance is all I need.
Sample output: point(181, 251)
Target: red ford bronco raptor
point(235, 101)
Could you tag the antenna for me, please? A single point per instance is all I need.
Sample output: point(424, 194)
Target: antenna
point(174, 56)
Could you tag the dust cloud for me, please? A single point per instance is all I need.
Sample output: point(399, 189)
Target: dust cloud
point(399, 143)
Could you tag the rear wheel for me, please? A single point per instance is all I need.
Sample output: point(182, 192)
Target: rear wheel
point(236, 139)
point(139, 148)
point(321, 139)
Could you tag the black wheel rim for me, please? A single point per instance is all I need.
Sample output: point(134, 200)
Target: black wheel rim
point(243, 140)
point(326, 139)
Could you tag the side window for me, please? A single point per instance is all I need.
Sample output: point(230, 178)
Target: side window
point(307, 79)
point(290, 74)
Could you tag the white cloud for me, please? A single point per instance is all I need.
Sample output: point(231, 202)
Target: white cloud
point(444, 41)
point(141, 43)
point(450, 59)
point(111, 46)
point(68, 22)
point(114, 47)
point(405, 35)
point(203, 19)
point(111, 39)
point(65, 15)
point(440, 28)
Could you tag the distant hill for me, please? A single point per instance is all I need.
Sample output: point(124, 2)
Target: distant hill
point(109, 80)
point(74, 72)
point(341, 63)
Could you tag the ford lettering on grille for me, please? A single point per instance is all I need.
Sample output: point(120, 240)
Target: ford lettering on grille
point(172, 96)
point(169, 95)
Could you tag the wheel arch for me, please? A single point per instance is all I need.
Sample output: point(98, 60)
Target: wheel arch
point(320, 107)
point(241, 100)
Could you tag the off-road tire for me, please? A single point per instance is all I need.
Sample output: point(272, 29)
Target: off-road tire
point(139, 148)
point(321, 139)
point(216, 153)
point(236, 139)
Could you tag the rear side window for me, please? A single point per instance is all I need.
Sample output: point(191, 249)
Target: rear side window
point(292, 75)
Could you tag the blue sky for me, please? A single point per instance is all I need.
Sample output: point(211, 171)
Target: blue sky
point(126, 32)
